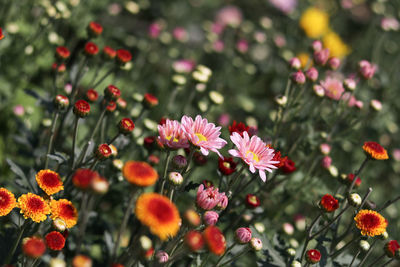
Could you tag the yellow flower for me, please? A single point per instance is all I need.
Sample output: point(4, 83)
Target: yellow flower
point(314, 22)
point(336, 46)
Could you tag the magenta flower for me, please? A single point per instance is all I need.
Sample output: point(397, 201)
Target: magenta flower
point(172, 135)
point(203, 134)
point(333, 88)
point(209, 198)
point(254, 152)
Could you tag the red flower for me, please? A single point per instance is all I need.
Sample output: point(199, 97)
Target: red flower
point(207, 183)
point(126, 126)
point(252, 201)
point(81, 108)
point(215, 240)
point(109, 52)
point(391, 247)
point(226, 165)
point(55, 240)
point(58, 67)
point(103, 151)
point(112, 92)
point(150, 100)
point(1, 34)
point(95, 29)
point(83, 178)
point(194, 240)
point(123, 56)
point(33, 247)
point(350, 178)
point(288, 166)
point(62, 52)
point(91, 49)
point(329, 203)
point(92, 95)
point(375, 151)
point(148, 142)
point(238, 128)
point(277, 157)
point(61, 101)
point(162, 121)
point(199, 158)
point(313, 256)
point(111, 106)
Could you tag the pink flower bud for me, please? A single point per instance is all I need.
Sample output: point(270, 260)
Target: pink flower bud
point(359, 104)
point(162, 256)
point(218, 46)
point(321, 57)
point(295, 63)
point(210, 218)
point(207, 199)
point(316, 45)
point(319, 90)
point(350, 84)
point(325, 148)
point(223, 203)
point(298, 77)
point(243, 235)
point(334, 63)
point(376, 104)
point(366, 69)
point(242, 46)
point(312, 74)
point(154, 30)
point(326, 162)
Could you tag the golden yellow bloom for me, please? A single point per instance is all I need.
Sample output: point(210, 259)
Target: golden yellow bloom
point(7, 202)
point(314, 22)
point(49, 181)
point(159, 214)
point(336, 46)
point(34, 207)
point(65, 210)
point(370, 222)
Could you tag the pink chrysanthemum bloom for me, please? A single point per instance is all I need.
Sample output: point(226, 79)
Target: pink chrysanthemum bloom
point(333, 88)
point(172, 135)
point(209, 198)
point(203, 134)
point(254, 152)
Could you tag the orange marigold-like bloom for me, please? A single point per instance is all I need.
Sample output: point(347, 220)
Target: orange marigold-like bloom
point(33, 247)
point(55, 240)
point(139, 173)
point(64, 209)
point(7, 202)
point(159, 214)
point(34, 207)
point(370, 222)
point(49, 181)
point(375, 151)
point(215, 240)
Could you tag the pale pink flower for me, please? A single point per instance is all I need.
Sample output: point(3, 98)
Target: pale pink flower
point(295, 63)
point(224, 119)
point(180, 34)
point(388, 24)
point(229, 15)
point(325, 148)
point(321, 56)
point(351, 100)
point(217, 28)
point(19, 110)
point(242, 46)
point(162, 256)
point(334, 63)
point(183, 65)
point(376, 104)
point(286, 6)
point(207, 199)
point(218, 46)
point(396, 154)
point(210, 217)
point(203, 134)
point(172, 135)
point(223, 203)
point(333, 88)
point(326, 162)
point(316, 45)
point(254, 152)
point(367, 69)
point(154, 30)
point(279, 40)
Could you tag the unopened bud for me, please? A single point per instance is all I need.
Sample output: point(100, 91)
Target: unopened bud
point(364, 245)
point(175, 178)
point(256, 244)
point(354, 200)
point(291, 252)
point(281, 100)
point(179, 162)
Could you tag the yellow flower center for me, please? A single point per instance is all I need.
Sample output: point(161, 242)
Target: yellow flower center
point(226, 165)
point(174, 140)
point(201, 137)
point(255, 157)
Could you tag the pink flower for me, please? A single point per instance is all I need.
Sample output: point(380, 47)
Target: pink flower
point(242, 46)
point(333, 88)
point(210, 218)
point(183, 65)
point(154, 30)
point(218, 46)
point(325, 148)
point(334, 63)
point(312, 74)
point(326, 162)
point(367, 69)
point(180, 34)
point(162, 256)
point(243, 235)
point(286, 6)
point(295, 63)
point(209, 198)
point(321, 56)
point(19, 110)
point(223, 203)
point(172, 135)
point(388, 24)
point(229, 15)
point(279, 40)
point(203, 134)
point(224, 119)
point(254, 152)
point(298, 77)
point(316, 45)
point(217, 28)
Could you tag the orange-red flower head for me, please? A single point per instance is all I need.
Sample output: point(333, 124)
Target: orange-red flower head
point(123, 56)
point(370, 222)
point(49, 181)
point(33, 247)
point(95, 29)
point(159, 214)
point(328, 203)
point(375, 151)
point(81, 261)
point(126, 126)
point(64, 209)
point(194, 240)
point(1, 34)
point(139, 173)
point(215, 240)
point(34, 207)
point(55, 240)
point(81, 108)
point(7, 202)
point(83, 178)
point(62, 52)
point(91, 49)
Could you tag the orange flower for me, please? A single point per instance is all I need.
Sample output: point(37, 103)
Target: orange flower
point(49, 181)
point(81, 261)
point(139, 173)
point(33, 247)
point(7, 202)
point(215, 240)
point(64, 209)
point(370, 222)
point(375, 151)
point(159, 214)
point(34, 207)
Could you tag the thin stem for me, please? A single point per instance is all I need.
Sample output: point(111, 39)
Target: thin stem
point(50, 145)
point(369, 191)
point(166, 164)
point(314, 222)
point(354, 258)
point(190, 158)
point(331, 222)
point(94, 164)
point(16, 243)
point(235, 257)
point(367, 254)
point(114, 138)
point(388, 262)
point(87, 203)
point(377, 260)
point(74, 142)
point(358, 172)
point(233, 180)
point(388, 203)
point(102, 78)
point(226, 252)
point(338, 252)
point(171, 194)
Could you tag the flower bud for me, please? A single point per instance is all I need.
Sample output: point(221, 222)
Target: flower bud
point(364, 245)
point(194, 240)
point(295, 63)
point(291, 252)
point(321, 57)
point(118, 164)
point(312, 74)
point(384, 236)
point(61, 102)
point(281, 100)
point(145, 242)
point(109, 53)
point(57, 262)
point(162, 256)
point(326, 162)
point(123, 56)
point(192, 218)
point(334, 63)
point(354, 200)
point(366, 69)
point(313, 256)
point(81, 108)
point(59, 225)
point(62, 52)
point(92, 95)
point(300, 222)
point(295, 264)
point(223, 203)
point(298, 77)
point(81, 261)
point(126, 126)
point(328, 203)
point(91, 49)
point(103, 151)
point(349, 84)
point(112, 93)
point(111, 106)
point(175, 178)
point(150, 100)
point(94, 29)
point(179, 162)
point(60, 68)
point(288, 228)
point(376, 105)
point(33, 247)
point(316, 45)
point(256, 244)
point(319, 90)
point(210, 218)
point(243, 235)
point(391, 247)
point(100, 185)
point(252, 201)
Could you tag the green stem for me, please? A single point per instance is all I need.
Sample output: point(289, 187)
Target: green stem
point(357, 173)
point(235, 257)
point(387, 204)
point(16, 242)
point(388, 262)
point(367, 254)
point(50, 145)
point(226, 252)
point(338, 252)
point(330, 223)
point(166, 164)
point(102, 78)
point(309, 235)
point(377, 260)
point(74, 142)
point(354, 258)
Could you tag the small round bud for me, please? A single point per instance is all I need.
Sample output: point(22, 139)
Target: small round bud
point(384, 236)
point(325, 149)
point(256, 244)
point(118, 164)
point(162, 256)
point(328, 203)
point(376, 105)
point(145, 242)
point(300, 222)
point(295, 264)
point(350, 84)
point(33, 247)
point(61, 102)
point(223, 203)
point(109, 53)
point(111, 106)
point(62, 52)
point(210, 218)
point(391, 247)
point(57, 262)
point(150, 100)
point(288, 228)
point(121, 103)
point(192, 218)
point(91, 49)
point(100, 185)
point(281, 100)
point(313, 256)
point(364, 245)
point(260, 227)
point(295, 63)
point(321, 57)
point(354, 200)
point(59, 225)
point(252, 201)
point(92, 95)
point(81, 260)
point(298, 77)
point(326, 162)
point(319, 90)
point(94, 29)
point(312, 74)
point(60, 68)
point(243, 235)
point(123, 56)
point(111, 92)
point(291, 252)
point(316, 45)
point(334, 63)
point(126, 126)
point(179, 162)
point(103, 151)
point(194, 240)
point(81, 108)
point(175, 178)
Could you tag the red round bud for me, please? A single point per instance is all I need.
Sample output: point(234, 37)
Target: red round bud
point(123, 56)
point(328, 203)
point(252, 201)
point(62, 52)
point(391, 247)
point(111, 92)
point(103, 151)
point(81, 108)
point(194, 240)
point(55, 240)
point(111, 106)
point(313, 256)
point(61, 102)
point(199, 159)
point(94, 29)
point(109, 53)
point(350, 178)
point(91, 49)
point(92, 95)
point(58, 67)
point(150, 100)
point(1, 34)
point(126, 126)
point(288, 166)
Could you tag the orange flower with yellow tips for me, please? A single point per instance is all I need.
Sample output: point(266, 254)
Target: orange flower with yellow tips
point(139, 173)
point(370, 222)
point(49, 181)
point(64, 209)
point(7, 202)
point(34, 207)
